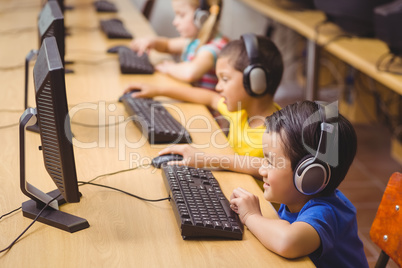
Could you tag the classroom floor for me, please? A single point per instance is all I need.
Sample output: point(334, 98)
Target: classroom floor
point(368, 175)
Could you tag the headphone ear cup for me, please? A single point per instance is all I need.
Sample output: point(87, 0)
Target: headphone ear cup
point(310, 176)
point(200, 16)
point(255, 80)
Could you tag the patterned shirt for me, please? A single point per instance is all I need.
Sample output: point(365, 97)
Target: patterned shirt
point(214, 46)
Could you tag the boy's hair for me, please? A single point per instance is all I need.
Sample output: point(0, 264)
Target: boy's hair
point(289, 123)
point(209, 27)
point(270, 59)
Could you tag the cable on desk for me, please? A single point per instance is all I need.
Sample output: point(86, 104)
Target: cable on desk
point(106, 60)
point(11, 111)
point(97, 126)
point(9, 126)
point(83, 28)
point(8, 213)
point(127, 193)
point(97, 52)
point(335, 38)
point(29, 226)
point(113, 173)
point(18, 8)
point(317, 29)
point(388, 64)
point(17, 30)
point(9, 68)
point(90, 182)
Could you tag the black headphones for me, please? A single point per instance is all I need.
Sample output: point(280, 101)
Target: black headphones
point(255, 76)
point(201, 14)
point(312, 175)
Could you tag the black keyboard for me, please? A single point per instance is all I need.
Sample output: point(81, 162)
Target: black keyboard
point(154, 121)
point(114, 29)
point(200, 207)
point(131, 63)
point(105, 6)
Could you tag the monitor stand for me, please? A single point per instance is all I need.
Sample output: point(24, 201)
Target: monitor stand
point(51, 215)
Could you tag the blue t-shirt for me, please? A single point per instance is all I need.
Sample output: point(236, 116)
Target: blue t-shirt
point(334, 219)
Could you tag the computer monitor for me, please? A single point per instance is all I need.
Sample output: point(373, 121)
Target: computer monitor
point(56, 139)
point(51, 23)
point(61, 4)
point(353, 16)
point(387, 20)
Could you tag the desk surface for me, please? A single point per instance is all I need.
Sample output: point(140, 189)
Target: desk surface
point(361, 53)
point(124, 232)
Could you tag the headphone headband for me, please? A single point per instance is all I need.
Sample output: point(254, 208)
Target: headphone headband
point(251, 43)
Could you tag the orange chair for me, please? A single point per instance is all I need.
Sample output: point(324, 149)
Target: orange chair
point(386, 230)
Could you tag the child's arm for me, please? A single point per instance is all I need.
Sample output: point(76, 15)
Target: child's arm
point(189, 71)
point(195, 158)
point(189, 94)
point(161, 44)
point(288, 240)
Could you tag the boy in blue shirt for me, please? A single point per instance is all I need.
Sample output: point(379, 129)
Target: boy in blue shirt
point(308, 149)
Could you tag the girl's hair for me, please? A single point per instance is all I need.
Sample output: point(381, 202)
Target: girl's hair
point(270, 59)
point(290, 124)
point(210, 26)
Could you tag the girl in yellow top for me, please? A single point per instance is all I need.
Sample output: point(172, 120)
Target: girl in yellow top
point(249, 71)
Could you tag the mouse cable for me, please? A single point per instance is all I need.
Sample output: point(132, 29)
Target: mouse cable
point(317, 29)
point(127, 193)
point(11, 111)
point(30, 225)
point(97, 126)
point(335, 38)
point(9, 126)
point(96, 52)
point(10, 68)
point(17, 30)
point(114, 173)
point(381, 60)
point(105, 60)
point(18, 8)
point(83, 28)
point(8, 213)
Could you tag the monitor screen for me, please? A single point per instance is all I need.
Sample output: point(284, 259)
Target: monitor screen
point(51, 23)
point(387, 19)
point(353, 16)
point(55, 133)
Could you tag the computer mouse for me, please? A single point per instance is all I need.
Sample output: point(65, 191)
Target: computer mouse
point(159, 160)
point(127, 95)
point(115, 49)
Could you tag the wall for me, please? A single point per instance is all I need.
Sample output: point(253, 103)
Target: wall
point(231, 26)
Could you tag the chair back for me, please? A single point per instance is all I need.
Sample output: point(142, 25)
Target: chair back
point(386, 230)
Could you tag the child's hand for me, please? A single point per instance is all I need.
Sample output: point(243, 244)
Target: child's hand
point(142, 45)
point(245, 204)
point(165, 66)
point(191, 156)
point(140, 90)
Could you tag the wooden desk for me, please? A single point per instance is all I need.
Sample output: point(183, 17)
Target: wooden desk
point(361, 53)
point(123, 232)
